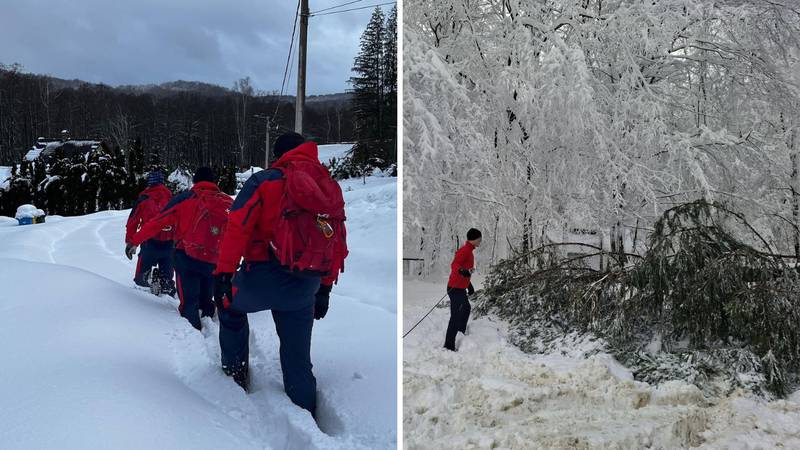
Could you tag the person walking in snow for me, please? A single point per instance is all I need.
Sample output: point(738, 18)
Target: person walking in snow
point(199, 217)
point(156, 251)
point(459, 287)
point(288, 225)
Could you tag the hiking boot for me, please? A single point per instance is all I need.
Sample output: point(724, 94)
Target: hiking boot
point(168, 287)
point(155, 282)
point(241, 375)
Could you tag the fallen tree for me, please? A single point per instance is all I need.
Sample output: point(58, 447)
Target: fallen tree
point(709, 302)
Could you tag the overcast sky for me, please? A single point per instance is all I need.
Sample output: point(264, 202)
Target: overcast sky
point(152, 41)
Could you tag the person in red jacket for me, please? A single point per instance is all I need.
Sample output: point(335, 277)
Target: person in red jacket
point(261, 283)
point(459, 286)
point(156, 251)
point(197, 239)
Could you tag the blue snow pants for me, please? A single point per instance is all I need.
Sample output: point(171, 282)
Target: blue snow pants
point(459, 315)
point(154, 253)
point(262, 286)
point(195, 284)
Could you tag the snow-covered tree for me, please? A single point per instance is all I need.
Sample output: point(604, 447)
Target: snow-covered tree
point(528, 118)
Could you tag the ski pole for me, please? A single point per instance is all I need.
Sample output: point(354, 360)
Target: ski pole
point(426, 315)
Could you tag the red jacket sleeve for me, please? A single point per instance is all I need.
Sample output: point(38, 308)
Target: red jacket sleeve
point(134, 219)
point(156, 224)
point(459, 260)
point(244, 215)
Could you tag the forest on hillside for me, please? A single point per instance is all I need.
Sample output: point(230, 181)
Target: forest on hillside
point(187, 122)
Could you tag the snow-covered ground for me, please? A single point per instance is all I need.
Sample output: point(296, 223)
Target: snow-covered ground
point(91, 362)
point(492, 395)
point(330, 151)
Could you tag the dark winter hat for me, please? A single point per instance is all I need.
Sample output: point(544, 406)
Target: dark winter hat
point(155, 177)
point(473, 234)
point(286, 142)
point(204, 174)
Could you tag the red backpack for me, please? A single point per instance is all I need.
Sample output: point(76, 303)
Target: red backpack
point(203, 239)
point(309, 235)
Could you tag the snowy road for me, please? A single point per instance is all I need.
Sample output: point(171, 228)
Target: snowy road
point(90, 361)
point(492, 395)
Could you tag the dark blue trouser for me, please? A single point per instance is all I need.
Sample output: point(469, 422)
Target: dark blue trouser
point(263, 286)
point(154, 253)
point(459, 315)
point(195, 284)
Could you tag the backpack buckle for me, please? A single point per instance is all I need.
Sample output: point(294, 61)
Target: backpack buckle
point(324, 226)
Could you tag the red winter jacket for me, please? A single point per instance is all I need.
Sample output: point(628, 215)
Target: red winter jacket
point(178, 214)
point(463, 260)
point(149, 204)
point(254, 213)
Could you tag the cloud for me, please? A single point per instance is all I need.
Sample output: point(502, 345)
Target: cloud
point(153, 41)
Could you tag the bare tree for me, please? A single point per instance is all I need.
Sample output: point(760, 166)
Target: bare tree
point(244, 90)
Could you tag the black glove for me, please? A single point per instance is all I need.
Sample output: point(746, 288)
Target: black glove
point(323, 300)
point(470, 289)
point(223, 288)
point(130, 250)
point(465, 273)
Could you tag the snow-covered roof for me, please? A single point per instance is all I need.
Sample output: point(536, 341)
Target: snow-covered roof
point(182, 178)
point(33, 154)
point(74, 146)
point(5, 176)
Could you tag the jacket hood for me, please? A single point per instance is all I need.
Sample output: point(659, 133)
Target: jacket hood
point(158, 189)
point(205, 186)
point(304, 152)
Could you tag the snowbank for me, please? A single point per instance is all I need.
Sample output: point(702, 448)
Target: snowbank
point(89, 363)
point(242, 177)
point(93, 363)
point(329, 151)
point(490, 394)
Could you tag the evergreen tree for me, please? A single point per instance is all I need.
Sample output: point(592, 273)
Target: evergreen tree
point(369, 91)
point(136, 158)
point(390, 83)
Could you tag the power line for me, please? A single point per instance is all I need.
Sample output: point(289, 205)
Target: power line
point(337, 6)
point(288, 57)
point(351, 9)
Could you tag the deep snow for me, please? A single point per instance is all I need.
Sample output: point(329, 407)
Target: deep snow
point(92, 362)
point(328, 152)
point(492, 395)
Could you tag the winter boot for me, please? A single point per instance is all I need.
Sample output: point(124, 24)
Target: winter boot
point(168, 287)
point(241, 375)
point(155, 281)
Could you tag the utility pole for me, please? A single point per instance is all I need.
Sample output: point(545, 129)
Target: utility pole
point(267, 152)
point(301, 68)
